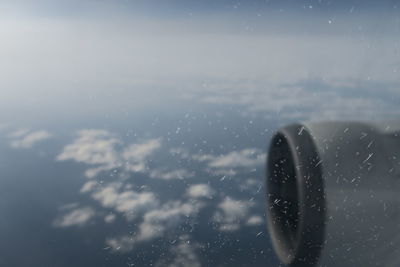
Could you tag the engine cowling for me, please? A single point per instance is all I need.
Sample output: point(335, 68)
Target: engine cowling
point(333, 192)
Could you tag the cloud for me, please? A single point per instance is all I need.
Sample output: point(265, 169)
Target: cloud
point(200, 191)
point(245, 158)
point(229, 163)
point(93, 147)
point(121, 198)
point(203, 157)
point(19, 133)
point(102, 149)
point(307, 97)
point(155, 224)
point(74, 217)
point(105, 151)
point(135, 154)
point(171, 175)
point(25, 139)
point(255, 220)
point(153, 219)
point(138, 152)
point(110, 218)
point(88, 186)
point(232, 213)
point(128, 202)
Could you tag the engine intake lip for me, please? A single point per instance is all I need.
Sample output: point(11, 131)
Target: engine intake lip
point(296, 199)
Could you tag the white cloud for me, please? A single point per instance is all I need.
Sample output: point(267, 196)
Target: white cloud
point(88, 186)
point(255, 220)
point(156, 223)
point(155, 220)
point(134, 155)
point(128, 202)
point(203, 157)
point(245, 158)
point(232, 213)
point(117, 196)
point(228, 164)
point(19, 133)
point(75, 217)
point(110, 218)
point(168, 216)
point(25, 139)
point(200, 191)
point(306, 98)
point(93, 147)
point(171, 175)
point(138, 152)
point(102, 149)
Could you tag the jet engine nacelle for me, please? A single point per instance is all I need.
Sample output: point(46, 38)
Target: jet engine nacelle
point(333, 191)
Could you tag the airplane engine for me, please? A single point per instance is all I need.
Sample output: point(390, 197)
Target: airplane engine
point(333, 193)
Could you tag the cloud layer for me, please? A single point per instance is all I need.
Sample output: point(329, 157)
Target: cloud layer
point(152, 218)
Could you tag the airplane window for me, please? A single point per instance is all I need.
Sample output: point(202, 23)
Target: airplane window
point(199, 133)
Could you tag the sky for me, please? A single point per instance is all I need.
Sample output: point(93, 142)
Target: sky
point(89, 52)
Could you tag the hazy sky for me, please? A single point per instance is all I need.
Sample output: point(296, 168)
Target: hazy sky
point(80, 50)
